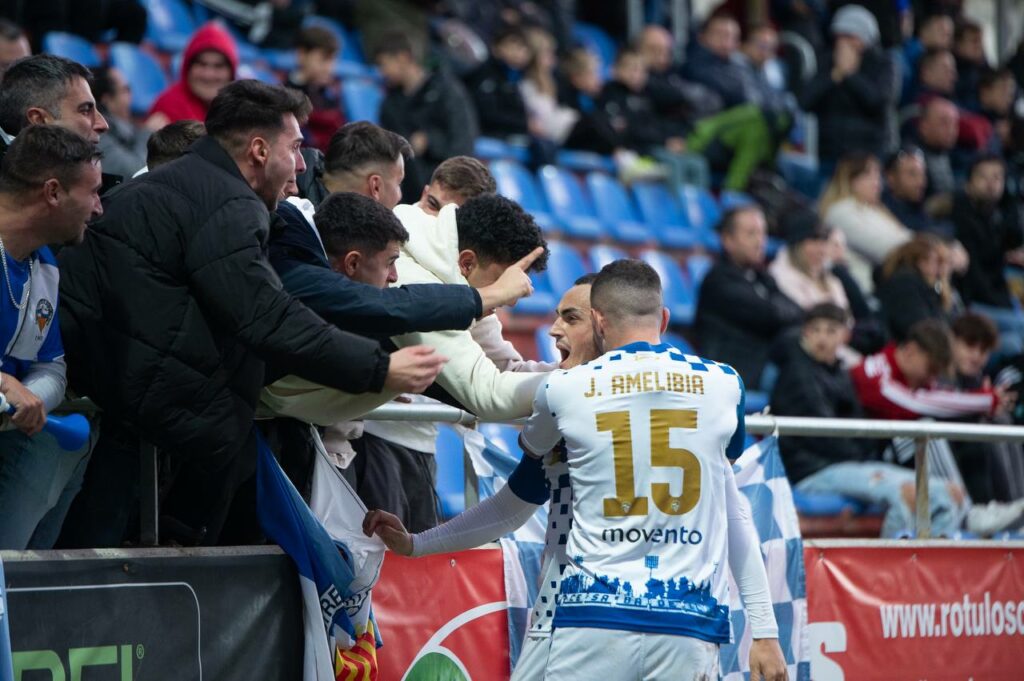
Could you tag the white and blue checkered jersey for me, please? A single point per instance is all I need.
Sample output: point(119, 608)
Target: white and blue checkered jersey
point(647, 430)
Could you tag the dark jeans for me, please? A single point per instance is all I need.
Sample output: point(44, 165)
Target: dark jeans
point(396, 479)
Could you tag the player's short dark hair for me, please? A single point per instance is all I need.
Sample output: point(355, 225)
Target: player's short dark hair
point(932, 336)
point(43, 152)
point(398, 42)
point(976, 330)
point(983, 158)
point(626, 289)
point(828, 312)
point(498, 230)
point(357, 145)
point(247, 107)
point(352, 222)
point(586, 280)
point(38, 81)
point(172, 141)
point(727, 225)
point(317, 38)
point(464, 175)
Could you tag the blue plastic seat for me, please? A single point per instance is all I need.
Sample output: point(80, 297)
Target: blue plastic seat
point(703, 213)
point(492, 149)
point(823, 504)
point(71, 46)
point(664, 214)
point(679, 298)
point(730, 199)
point(697, 267)
point(169, 24)
point(450, 483)
point(362, 99)
point(258, 73)
point(570, 205)
point(756, 401)
point(142, 71)
point(584, 161)
point(565, 266)
point(679, 343)
point(282, 60)
point(546, 350)
point(602, 254)
point(597, 41)
point(616, 209)
point(517, 183)
point(542, 302)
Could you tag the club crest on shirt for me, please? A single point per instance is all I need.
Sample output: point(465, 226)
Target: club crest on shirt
point(44, 313)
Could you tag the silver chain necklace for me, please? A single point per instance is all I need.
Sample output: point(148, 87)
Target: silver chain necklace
point(27, 292)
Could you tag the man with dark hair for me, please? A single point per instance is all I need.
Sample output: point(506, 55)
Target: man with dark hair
point(987, 222)
point(316, 51)
point(997, 94)
point(936, 75)
point(49, 188)
point(740, 310)
point(936, 135)
point(49, 89)
point(362, 238)
point(813, 383)
point(494, 86)
point(971, 63)
point(13, 44)
point(124, 144)
point(367, 159)
point(905, 182)
point(172, 287)
point(456, 180)
point(428, 107)
point(172, 141)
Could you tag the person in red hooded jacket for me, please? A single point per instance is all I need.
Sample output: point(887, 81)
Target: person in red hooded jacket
point(209, 63)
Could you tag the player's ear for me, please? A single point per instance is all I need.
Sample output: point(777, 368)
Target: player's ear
point(664, 319)
point(467, 261)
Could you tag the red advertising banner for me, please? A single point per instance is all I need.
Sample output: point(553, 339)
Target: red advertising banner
point(920, 611)
point(443, 617)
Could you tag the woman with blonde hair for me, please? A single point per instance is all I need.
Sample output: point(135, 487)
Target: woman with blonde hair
point(852, 203)
point(914, 285)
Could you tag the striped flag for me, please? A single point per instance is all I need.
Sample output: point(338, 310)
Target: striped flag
point(337, 565)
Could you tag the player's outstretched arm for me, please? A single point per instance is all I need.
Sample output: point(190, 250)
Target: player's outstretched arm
point(390, 529)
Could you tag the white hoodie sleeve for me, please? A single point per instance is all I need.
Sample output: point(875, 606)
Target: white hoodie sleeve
point(487, 334)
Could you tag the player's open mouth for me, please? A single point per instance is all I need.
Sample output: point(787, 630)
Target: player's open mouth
point(564, 352)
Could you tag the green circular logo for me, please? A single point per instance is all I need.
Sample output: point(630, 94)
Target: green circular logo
point(436, 666)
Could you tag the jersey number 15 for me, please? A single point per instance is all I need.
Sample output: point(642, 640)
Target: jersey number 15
point(626, 502)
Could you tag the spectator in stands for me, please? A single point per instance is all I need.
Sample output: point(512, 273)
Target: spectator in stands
point(712, 61)
point(801, 268)
point(988, 224)
point(755, 53)
point(208, 64)
point(316, 50)
point(631, 111)
point(172, 141)
point(13, 44)
point(911, 286)
point(905, 184)
point(494, 87)
point(853, 91)
point(124, 144)
point(852, 203)
point(937, 75)
point(429, 108)
point(200, 312)
point(741, 312)
point(936, 135)
point(813, 383)
point(456, 180)
point(675, 98)
point(45, 89)
point(49, 188)
point(971, 63)
point(934, 32)
point(997, 92)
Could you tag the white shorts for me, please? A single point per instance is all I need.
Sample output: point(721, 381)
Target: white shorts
point(586, 654)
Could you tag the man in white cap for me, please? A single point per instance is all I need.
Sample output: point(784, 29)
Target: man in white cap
point(854, 91)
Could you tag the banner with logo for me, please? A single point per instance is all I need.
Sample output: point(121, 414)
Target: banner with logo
point(929, 610)
point(443, 617)
point(154, 615)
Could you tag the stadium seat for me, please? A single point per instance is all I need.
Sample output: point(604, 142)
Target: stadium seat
point(142, 71)
point(542, 302)
point(169, 24)
point(824, 504)
point(697, 267)
point(73, 47)
point(258, 73)
point(615, 208)
point(679, 297)
point(703, 213)
point(565, 266)
point(597, 41)
point(282, 60)
point(353, 69)
point(757, 400)
point(517, 183)
point(665, 216)
point(569, 203)
point(493, 149)
point(451, 472)
point(546, 350)
point(362, 99)
point(732, 199)
point(584, 161)
point(679, 343)
point(602, 254)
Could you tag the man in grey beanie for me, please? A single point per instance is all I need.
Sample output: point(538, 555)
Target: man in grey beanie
point(854, 91)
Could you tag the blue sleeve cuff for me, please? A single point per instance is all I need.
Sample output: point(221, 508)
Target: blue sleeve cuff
point(528, 482)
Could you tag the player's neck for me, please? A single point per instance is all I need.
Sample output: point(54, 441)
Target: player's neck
point(617, 339)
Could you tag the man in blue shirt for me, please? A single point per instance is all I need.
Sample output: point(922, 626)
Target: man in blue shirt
point(50, 181)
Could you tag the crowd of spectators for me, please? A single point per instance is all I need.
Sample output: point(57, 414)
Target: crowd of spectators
point(259, 268)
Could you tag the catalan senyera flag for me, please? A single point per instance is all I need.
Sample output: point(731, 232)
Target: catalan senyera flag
point(337, 565)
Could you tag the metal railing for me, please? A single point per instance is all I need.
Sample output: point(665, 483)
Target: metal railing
point(797, 426)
